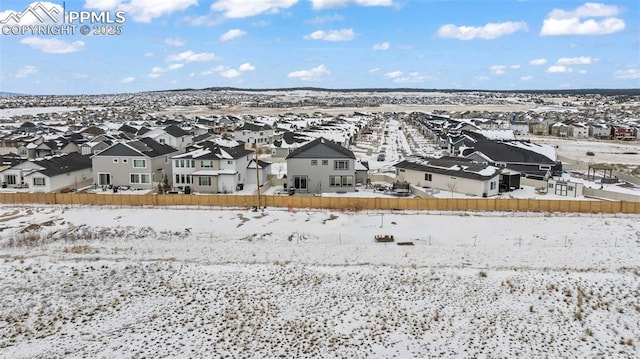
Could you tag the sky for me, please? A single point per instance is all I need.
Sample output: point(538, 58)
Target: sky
point(432, 44)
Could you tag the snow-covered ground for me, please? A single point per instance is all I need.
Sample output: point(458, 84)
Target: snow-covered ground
point(106, 282)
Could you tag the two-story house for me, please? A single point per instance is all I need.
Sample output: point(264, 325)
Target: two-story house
point(139, 163)
point(213, 169)
point(253, 133)
point(321, 166)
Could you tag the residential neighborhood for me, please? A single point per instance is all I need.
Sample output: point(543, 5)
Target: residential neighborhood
point(157, 145)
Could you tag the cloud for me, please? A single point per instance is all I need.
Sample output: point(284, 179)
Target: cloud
point(157, 71)
point(190, 56)
point(260, 23)
point(580, 21)
point(26, 71)
point(629, 74)
point(128, 80)
point(53, 45)
point(148, 54)
point(49, 13)
point(487, 32)
point(514, 67)
point(245, 8)
point(230, 73)
point(246, 67)
point(328, 4)
point(411, 77)
point(558, 69)
point(321, 20)
point(498, 69)
point(314, 74)
point(174, 41)
point(393, 75)
point(538, 62)
point(382, 46)
point(141, 10)
point(232, 34)
point(482, 78)
point(374, 70)
point(526, 78)
point(332, 35)
point(582, 60)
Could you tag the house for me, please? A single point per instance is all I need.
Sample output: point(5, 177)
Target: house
point(253, 133)
point(96, 145)
point(454, 174)
point(50, 174)
point(215, 169)
point(519, 127)
point(600, 131)
point(530, 159)
point(137, 164)
point(622, 132)
point(578, 130)
point(321, 166)
point(171, 135)
point(290, 141)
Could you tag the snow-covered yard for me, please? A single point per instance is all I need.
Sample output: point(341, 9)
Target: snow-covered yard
point(110, 282)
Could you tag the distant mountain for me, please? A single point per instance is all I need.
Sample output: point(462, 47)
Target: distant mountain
point(10, 94)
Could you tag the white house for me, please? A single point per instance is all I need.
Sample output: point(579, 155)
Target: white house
point(451, 174)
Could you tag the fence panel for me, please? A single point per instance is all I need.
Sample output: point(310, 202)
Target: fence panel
point(355, 203)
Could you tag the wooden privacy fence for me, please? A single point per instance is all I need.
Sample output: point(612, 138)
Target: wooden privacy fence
point(343, 203)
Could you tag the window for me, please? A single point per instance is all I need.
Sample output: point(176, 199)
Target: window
point(325, 162)
point(230, 162)
point(314, 162)
point(427, 177)
point(11, 179)
point(136, 178)
point(38, 181)
point(204, 181)
point(206, 164)
point(570, 188)
point(166, 159)
point(139, 163)
point(492, 185)
point(550, 185)
point(340, 165)
point(542, 167)
point(340, 181)
point(162, 141)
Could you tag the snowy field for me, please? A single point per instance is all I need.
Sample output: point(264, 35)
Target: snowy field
point(106, 282)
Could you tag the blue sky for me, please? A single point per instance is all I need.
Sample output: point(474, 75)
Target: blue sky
point(434, 44)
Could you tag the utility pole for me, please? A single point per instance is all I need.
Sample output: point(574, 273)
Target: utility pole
point(255, 146)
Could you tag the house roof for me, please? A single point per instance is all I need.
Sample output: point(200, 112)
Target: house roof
point(175, 131)
point(516, 152)
point(146, 147)
point(451, 166)
point(321, 148)
point(254, 127)
point(215, 152)
point(62, 164)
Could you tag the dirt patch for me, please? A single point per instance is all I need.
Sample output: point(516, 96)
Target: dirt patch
point(82, 249)
point(331, 218)
point(242, 219)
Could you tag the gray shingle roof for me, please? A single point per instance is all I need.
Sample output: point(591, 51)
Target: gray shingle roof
point(321, 148)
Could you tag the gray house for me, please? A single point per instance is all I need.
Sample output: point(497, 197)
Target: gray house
point(321, 166)
point(140, 164)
